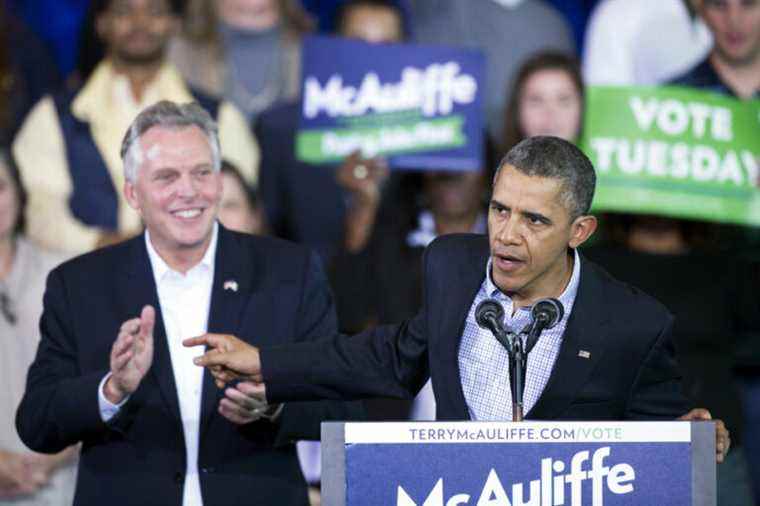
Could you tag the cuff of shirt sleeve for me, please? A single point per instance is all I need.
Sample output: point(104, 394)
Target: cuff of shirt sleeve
point(107, 409)
point(272, 413)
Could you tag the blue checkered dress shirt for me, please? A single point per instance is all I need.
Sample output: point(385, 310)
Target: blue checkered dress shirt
point(484, 363)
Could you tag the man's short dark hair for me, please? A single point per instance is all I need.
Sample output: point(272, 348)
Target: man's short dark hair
point(341, 14)
point(98, 7)
point(552, 157)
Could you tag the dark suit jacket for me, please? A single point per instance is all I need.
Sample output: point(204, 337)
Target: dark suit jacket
point(631, 372)
point(139, 456)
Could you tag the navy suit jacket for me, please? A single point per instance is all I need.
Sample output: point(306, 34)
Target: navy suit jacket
point(139, 456)
point(630, 372)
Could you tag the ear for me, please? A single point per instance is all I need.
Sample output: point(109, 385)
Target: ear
point(581, 229)
point(130, 193)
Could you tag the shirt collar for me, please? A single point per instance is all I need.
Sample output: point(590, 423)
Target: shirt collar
point(162, 269)
point(566, 298)
point(99, 89)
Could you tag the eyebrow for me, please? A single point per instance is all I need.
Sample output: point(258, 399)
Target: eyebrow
point(533, 215)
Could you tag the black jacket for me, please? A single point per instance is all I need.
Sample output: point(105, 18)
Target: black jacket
point(631, 373)
point(139, 456)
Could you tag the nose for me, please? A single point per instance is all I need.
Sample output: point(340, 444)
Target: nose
point(187, 187)
point(735, 14)
point(508, 231)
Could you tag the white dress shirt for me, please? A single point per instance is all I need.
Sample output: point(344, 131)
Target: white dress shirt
point(185, 300)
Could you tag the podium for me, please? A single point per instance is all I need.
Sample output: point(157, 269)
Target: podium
point(518, 464)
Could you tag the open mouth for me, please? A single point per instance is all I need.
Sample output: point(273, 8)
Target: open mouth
point(507, 263)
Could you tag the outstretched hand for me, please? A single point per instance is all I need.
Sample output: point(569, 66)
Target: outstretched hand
point(227, 358)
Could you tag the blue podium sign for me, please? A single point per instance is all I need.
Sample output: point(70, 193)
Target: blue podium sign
point(529, 463)
point(417, 105)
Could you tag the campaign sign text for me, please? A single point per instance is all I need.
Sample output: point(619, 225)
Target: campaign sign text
point(674, 151)
point(418, 106)
point(540, 465)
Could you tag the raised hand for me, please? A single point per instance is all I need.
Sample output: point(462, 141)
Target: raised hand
point(227, 358)
point(131, 356)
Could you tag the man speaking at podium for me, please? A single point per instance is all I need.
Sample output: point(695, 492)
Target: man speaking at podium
point(610, 357)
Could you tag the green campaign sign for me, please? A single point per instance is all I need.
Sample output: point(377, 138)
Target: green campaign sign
point(674, 151)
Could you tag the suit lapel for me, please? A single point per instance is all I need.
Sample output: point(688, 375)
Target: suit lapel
point(457, 303)
point(230, 292)
point(582, 347)
point(142, 291)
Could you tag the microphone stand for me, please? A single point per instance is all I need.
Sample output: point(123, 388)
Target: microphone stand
point(517, 362)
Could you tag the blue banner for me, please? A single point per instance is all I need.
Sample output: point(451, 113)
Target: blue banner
point(418, 106)
point(573, 474)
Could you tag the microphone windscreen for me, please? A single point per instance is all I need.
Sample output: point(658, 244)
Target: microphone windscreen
point(487, 311)
point(549, 311)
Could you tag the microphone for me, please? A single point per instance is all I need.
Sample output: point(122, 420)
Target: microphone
point(489, 315)
point(546, 313)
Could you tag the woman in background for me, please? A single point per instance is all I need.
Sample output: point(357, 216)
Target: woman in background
point(26, 478)
point(239, 209)
point(247, 51)
point(547, 99)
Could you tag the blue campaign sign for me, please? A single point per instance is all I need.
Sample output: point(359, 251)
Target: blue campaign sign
point(418, 106)
point(525, 463)
point(572, 474)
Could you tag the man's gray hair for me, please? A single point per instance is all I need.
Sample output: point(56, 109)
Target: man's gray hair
point(555, 158)
point(170, 115)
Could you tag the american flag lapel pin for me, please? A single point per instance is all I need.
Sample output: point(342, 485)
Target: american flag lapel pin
point(584, 354)
point(231, 284)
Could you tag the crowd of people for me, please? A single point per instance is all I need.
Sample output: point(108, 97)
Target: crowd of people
point(67, 97)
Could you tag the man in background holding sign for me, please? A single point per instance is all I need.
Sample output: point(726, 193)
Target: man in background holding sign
point(610, 356)
point(733, 65)
point(288, 185)
point(733, 68)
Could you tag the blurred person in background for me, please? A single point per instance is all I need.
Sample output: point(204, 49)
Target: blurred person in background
point(307, 203)
point(68, 147)
point(240, 208)
point(733, 65)
point(26, 73)
point(26, 478)
point(732, 68)
point(645, 42)
point(247, 51)
point(546, 99)
point(508, 32)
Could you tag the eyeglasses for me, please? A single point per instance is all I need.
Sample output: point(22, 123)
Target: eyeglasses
point(6, 310)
